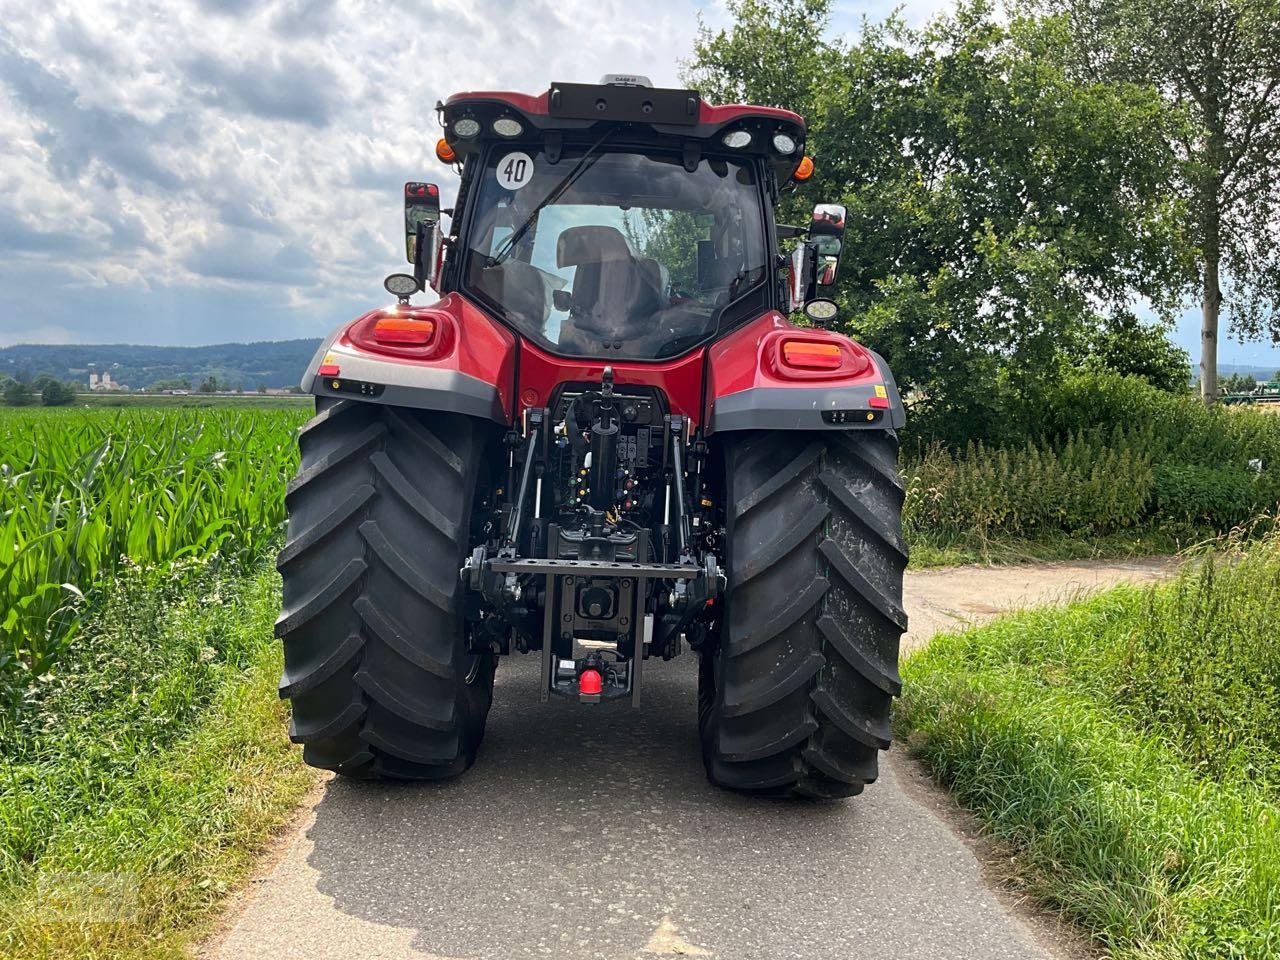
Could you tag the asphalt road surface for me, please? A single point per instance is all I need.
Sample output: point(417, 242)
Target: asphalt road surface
point(591, 832)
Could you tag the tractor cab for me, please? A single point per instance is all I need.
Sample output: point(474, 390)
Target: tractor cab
point(616, 220)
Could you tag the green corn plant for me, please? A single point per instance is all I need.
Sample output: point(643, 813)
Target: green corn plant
point(85, 492)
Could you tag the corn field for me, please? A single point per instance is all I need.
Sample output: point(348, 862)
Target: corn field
point(85, 492)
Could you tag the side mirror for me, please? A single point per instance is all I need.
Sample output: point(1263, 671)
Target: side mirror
point(422, 236)
point(826, 236)
point(798, 277)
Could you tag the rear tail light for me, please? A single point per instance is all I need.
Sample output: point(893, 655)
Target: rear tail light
point(404, 331)
point(807, 355)
point(800, 355)
point(411, 333)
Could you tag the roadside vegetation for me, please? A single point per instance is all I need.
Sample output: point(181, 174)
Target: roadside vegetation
point(1099, 464)
point(1126, 749)
point(145, 751)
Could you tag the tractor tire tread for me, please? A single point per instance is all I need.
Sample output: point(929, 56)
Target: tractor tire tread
point(794, 698)
point(376, 666)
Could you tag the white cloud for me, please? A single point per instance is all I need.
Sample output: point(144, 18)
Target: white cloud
point(196, 170)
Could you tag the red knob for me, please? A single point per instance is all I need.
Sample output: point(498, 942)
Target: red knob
point(589, 683)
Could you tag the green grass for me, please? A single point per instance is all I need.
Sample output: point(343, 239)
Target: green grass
point(156, 753)
point(1127, 749)
point(931, 551)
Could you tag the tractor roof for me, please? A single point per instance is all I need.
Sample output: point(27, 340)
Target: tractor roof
point(574, 111)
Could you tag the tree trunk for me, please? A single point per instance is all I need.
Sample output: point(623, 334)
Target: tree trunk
point(1210, 305)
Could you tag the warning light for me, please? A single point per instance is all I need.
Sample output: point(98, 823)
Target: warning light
point(804, 170)
point(590, 683)
point(444, 152)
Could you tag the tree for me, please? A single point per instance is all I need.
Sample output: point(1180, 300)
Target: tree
point(1135, 350)
point(55, 393)
point(1217, 61)
point(173, 383)
point(17, 393)
point(1239, 383)
point(209, 384)
point(772, 54)
point(998, 205)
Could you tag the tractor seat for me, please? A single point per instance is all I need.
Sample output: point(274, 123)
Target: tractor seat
point(614, 293)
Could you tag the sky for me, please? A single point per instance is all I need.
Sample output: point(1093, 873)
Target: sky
point(204, 171)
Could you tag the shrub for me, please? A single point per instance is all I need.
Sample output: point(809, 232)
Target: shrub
point(1099, 453)
point(1090, 484)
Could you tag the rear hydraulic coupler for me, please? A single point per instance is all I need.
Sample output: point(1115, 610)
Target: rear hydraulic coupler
point(604, 448)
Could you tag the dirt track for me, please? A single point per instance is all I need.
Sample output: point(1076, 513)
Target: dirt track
point(944, 598)
point(593, 833)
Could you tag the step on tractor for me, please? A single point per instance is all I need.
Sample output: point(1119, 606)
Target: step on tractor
point(604, 443)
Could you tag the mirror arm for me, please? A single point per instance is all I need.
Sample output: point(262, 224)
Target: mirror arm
point(419, 270)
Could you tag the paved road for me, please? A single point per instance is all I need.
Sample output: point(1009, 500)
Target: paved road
point(592, 833)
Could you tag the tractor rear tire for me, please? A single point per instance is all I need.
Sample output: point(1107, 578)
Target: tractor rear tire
point(794, 698)
point(376, 657)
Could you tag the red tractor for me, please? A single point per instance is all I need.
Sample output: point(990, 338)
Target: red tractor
point(604, 443)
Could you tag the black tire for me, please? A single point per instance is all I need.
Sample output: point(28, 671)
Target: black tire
point(376, 661)
point(794, 698)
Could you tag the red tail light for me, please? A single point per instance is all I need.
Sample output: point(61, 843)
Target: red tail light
point(412, 333)
point(404, 330)
point(814, 356)
point(808, 355)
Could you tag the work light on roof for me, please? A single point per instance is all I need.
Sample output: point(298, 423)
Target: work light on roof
point(736, 139)
point(784, 144)
point(466, 127)
point(508, 127)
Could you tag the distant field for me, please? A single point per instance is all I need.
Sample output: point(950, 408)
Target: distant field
point(190, 400)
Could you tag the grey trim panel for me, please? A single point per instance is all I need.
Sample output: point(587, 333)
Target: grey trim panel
point(432, 389)
point(801, 408)
point(897, 410)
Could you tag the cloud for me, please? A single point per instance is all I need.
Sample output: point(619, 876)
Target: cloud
point(281, 86)
point(197, 171)
point(75, 133)
point(240, 256)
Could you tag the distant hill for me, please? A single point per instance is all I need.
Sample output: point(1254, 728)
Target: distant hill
point(271, 363)
point(1257, 371)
